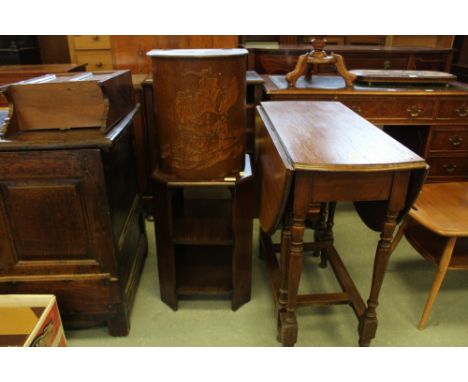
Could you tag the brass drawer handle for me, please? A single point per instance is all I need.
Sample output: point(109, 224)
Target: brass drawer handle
point(99, 65)
point(96, 38)
point(450, 167)
point(456, 140)
point(387, 64)
point(462, 110)
point(356, 108)
point(414, 111)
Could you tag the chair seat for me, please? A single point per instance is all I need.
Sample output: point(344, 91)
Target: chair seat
point(443, 208)
point(431, 246)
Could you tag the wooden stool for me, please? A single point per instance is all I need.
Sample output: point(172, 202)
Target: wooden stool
point(437, 227)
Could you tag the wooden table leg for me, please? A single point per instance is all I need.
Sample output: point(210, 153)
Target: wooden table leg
point(328, 234)
point(283, 265)
point(368, 321)
point(288, 319)
point(320, 227)
point(400, 233)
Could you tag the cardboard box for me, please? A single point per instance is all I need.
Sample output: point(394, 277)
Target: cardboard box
point(30, 320)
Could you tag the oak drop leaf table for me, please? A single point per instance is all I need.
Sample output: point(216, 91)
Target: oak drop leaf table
point(322, 152)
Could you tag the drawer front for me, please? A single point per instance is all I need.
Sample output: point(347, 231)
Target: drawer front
point(392, 108)
point(453, 138)
point(275, 63)
point(436, 61)
point(371, 61)
point(448, 166)
point(96, 60)
point(92, 42)
point(453, 109)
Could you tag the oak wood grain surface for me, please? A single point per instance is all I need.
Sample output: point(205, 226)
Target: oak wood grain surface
point(69, 100)
point(281, 59)
point(431, 119)
point(443, 208)
point(199, 109)
point(335, 155)
point(329, 136)
point(13, 73)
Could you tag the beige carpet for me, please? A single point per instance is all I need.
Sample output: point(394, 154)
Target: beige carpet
point(210, 322)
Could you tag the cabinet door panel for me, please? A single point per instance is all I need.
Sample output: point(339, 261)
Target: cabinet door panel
point(54, 213)
point(47, 219)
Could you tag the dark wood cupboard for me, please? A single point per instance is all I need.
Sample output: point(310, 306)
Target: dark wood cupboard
point(71, 225)
point(71, 221)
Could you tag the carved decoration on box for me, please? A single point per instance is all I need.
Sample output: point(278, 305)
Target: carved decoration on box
point(202, 110)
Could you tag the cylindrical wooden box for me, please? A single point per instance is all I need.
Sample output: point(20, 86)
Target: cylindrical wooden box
point(200, 116)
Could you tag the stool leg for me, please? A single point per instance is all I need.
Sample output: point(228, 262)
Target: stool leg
point(441, 271)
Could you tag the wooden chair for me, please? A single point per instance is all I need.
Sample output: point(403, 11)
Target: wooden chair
point(437, 227)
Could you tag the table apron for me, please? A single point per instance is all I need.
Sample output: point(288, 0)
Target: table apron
point(350, 186)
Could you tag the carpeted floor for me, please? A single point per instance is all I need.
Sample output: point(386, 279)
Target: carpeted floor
point(211, 322)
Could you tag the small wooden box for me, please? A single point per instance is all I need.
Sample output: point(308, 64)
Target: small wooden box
point(70, 101)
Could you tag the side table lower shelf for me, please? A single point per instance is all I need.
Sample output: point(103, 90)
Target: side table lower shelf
point(203, 270)
point(204, 243)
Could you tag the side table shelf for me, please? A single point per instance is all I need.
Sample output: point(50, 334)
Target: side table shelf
point(204, 237)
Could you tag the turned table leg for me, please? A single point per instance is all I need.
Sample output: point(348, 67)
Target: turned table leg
point(396, 202)
point(368, 321)
point(328, 234)
point(321, 227)
point(283, 265)
point(288, 319)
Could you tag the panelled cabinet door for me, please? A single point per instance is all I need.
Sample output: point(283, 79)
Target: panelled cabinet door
point(54, 214)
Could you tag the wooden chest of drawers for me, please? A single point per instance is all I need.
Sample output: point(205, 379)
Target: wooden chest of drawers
point(447, 152)
point(408, 109)
point(281, 60)
point(431, 119)
point(449, 138)
point(95, 51)
point(129, 52)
